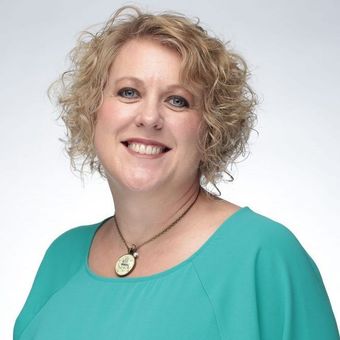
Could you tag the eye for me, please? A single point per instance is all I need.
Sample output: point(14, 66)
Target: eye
point(178, 101)
point(128, 93)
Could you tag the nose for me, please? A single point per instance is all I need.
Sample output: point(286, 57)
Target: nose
point(149, 114)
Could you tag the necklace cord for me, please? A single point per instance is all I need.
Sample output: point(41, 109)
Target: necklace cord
point(134, 247)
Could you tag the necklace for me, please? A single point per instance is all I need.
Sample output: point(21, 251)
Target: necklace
point(127, 262)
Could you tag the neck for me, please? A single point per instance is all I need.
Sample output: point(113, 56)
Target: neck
point(142, 215)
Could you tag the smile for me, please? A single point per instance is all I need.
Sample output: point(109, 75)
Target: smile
point(146, 149)
point(143, 149)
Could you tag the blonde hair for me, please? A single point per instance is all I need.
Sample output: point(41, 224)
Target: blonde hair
point(218, 75)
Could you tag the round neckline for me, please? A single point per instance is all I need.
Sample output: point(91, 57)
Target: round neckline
point(178, 266)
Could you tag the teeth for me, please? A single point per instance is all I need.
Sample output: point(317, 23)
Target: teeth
point(145, 149)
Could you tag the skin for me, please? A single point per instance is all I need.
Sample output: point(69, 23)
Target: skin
point(144, 98)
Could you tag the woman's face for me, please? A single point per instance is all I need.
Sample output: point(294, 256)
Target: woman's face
point(147, 128)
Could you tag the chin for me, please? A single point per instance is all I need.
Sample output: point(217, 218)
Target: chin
point(141, 183)
point(140, 187)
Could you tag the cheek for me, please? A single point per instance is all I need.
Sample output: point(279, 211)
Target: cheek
point(113, 108)
point(187, 138)
point(189, 131)
point(104, 127)
point(112, 116)
point(106, 112)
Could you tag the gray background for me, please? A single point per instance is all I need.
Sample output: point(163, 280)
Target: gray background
point(291, 175)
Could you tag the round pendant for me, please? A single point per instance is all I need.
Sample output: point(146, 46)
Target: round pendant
point(125, 264)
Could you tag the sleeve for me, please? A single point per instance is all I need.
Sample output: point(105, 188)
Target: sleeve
point(292, 300)
point(61, 260)
point(38, 295)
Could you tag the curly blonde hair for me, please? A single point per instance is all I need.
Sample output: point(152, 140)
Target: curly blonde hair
point(217, 75)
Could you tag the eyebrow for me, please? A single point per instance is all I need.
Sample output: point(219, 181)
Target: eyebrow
point(170, 87)
point(136, 80)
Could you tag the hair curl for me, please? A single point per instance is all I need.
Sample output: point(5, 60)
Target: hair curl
point(216, 74)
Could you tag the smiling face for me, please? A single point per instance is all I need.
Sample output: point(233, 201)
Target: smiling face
point(146, 131)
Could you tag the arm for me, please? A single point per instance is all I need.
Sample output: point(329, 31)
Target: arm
point(292, 301)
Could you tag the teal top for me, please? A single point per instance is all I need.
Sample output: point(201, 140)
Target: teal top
point(251, 280)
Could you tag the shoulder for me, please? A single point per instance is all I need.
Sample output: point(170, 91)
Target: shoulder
point(272, 246)
point(263, 232)
point(73, 241)
point(68, 252)
point(255, 266)
point(62, 259)
point(250, 238)
point(65, 254)
point(247, 226)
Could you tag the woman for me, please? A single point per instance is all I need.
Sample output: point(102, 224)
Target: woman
point(160, 108)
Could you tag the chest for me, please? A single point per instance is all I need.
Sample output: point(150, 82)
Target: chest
point(107, 310)
point(149, 261)
point(158, 255)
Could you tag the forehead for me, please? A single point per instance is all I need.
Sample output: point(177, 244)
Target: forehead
point(146, 58)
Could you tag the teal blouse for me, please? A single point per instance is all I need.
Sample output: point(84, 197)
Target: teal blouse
point(251, 280)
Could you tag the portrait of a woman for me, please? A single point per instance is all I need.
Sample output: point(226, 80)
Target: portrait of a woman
point(159, 108)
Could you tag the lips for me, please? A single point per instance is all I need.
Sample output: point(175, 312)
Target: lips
point(146, 146)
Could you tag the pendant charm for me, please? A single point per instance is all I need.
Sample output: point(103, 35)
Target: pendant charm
point(126, 263)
